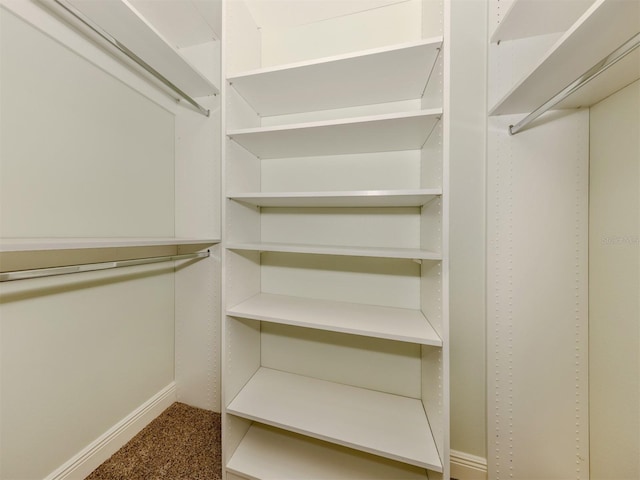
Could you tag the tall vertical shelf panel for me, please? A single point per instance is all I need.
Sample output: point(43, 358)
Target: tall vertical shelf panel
point(335, 353)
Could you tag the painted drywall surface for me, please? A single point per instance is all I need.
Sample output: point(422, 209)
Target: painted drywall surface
point(467, 236)
point(75, 361)
point(76, 163)
point(614, 286)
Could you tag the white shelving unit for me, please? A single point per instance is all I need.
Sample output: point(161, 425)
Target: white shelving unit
point(388, 425)
point(336, 246)
point(604, 27)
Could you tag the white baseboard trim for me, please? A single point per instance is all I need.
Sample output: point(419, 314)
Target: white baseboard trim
point(467, 467)
point(92, 456)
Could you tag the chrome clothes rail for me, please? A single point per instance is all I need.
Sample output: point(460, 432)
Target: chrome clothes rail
point(92, 267)
point(597, 69)
point(122, 48)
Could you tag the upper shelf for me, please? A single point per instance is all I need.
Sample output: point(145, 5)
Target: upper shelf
point(376, 133)
point(604, 27)
point(358, 198)
point(46, 244)
point(124, 23)
point(401, 324)
point(378, 252)
point(527, 18)
point(374, 76)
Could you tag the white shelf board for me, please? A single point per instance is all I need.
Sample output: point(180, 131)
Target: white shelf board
point(360, 198)
point(376, 133)
point(124, 23)
point(400, 324)
point(618, 76)
point(380, 423)
point(379, 75)
point(183, 23)
point(44, 244)
point(528, 18)
point(605, 26)
point(266, 453)
point(381, 252)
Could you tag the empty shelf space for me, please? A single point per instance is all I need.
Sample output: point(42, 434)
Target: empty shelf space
point(124, 23)
point(268, 453)
point(43, 244)
point(376, 133)
point(400, 324)
point(374, 76)
point(526, 18)
point(388, 425)
point(359, 198)
point(605, 27)
point(382, 252)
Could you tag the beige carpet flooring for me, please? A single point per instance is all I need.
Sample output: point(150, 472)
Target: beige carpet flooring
point(183, 443)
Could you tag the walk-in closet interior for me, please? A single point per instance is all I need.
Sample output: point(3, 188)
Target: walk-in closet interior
point(384, 239)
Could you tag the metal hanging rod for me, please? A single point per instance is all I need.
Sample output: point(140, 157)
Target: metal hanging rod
point(122, 48)
point(92, 267)
point(597, 69)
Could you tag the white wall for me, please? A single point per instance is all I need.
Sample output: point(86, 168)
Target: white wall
point(614, 286)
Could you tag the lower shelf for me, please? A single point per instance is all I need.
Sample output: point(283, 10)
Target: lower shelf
point(267, 453)
point(383, 424)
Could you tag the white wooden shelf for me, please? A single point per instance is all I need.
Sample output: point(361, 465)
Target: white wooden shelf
point(376, 133)
point(528, 18)
point(380, 252)
point(380, 75)
point(360, 198)
point(400, 324)
point(605, 26)
point(44, 244)
point(267, 453)
point(383, 424)
point(123, 22)
point(183, 23)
